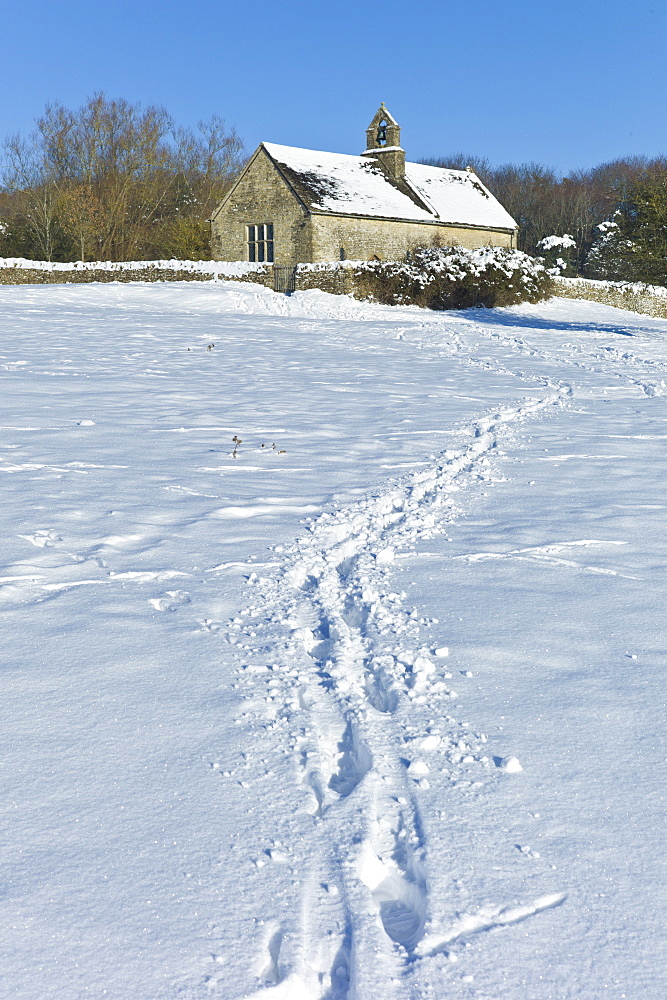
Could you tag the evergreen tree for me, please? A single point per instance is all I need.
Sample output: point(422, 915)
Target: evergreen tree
point(632, 244)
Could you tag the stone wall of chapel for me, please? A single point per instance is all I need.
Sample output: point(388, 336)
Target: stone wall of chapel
point(364, 239)
point(261, 196)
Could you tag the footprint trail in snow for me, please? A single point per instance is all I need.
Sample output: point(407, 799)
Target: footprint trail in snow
point(330, 795)
point(354, 666)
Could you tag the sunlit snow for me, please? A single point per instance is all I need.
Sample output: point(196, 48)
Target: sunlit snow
point(333, 647)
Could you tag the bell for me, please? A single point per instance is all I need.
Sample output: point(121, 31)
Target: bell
point(382, 133)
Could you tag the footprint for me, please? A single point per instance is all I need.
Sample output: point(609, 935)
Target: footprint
point(400, 900)
point(333, 764)
point(354, 761)
point(321, 646)
point(401, 910)
point(271, 972)
point(655, 388)
point(346, 566)
point(339, 976)
point(355, 613)
point(383, 698)
point(381, 685)
point(314, 780)
point(172, 600)
point(42, 539)
point(388, 865)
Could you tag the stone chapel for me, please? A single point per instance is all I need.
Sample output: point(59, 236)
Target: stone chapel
point(292, 206)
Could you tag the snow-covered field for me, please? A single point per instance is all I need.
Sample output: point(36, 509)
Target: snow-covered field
point(370, 710)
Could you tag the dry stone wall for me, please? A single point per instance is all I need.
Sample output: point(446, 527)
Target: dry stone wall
point(335, 278)
point(34, 276)
point(646, 299)
point(338, 278)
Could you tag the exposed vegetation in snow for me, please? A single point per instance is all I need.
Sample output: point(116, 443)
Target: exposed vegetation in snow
point(456, 278)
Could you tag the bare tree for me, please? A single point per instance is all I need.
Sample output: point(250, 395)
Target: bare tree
point(545, 204)
point(111, 177)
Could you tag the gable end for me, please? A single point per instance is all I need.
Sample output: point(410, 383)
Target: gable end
point(246, 177)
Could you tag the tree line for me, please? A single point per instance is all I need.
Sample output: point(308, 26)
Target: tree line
point(114, 181)
point(614, 214)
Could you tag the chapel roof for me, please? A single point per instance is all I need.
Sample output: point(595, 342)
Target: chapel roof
point(340, 184)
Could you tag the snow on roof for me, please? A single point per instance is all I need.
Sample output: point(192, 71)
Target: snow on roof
point(458, 196)
point(336, 182)
point(356, 185)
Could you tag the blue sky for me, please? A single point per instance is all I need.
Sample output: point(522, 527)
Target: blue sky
point(569, 84)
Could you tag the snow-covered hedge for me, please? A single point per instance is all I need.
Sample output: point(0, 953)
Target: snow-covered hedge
point(456, 278)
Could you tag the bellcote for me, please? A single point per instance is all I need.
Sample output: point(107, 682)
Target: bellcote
point(384, 131)
point(383, 143)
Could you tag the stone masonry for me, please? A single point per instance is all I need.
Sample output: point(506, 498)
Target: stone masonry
point(388, 239)
point(260, 195)
point(304, 232)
